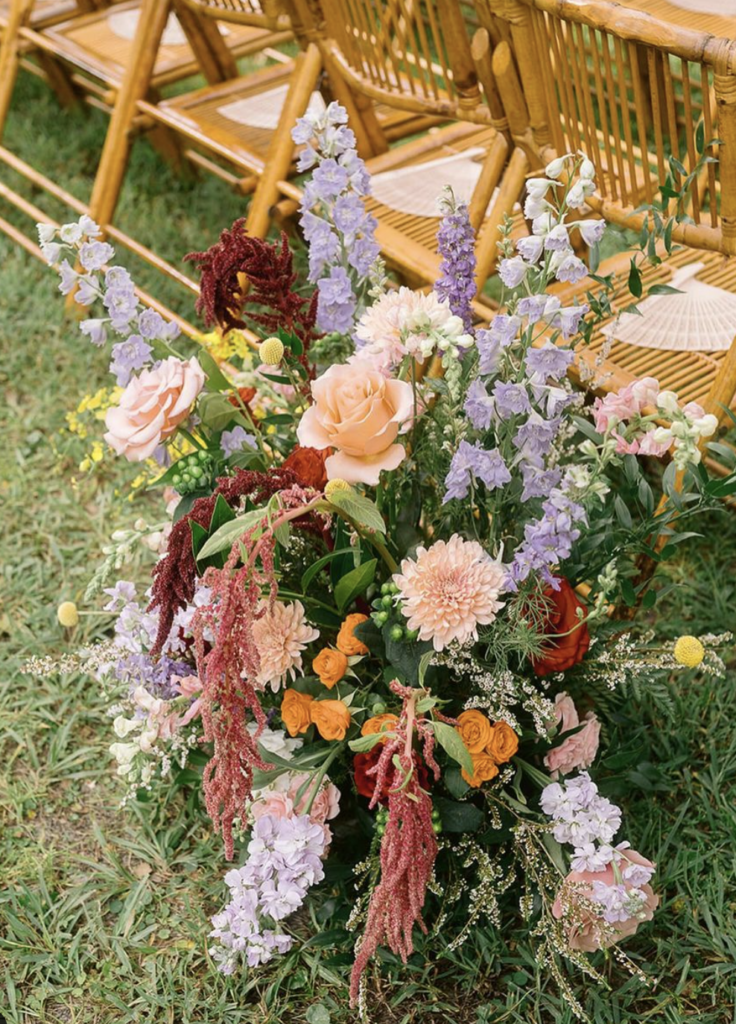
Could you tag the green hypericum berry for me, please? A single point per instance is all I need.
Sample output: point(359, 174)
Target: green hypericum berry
point(176, 480)
point(186, 477)
point(380, 618)
point(387, 601)
point(436, 827)
point(386, 588)
point(196, 472)
point(412, 635)
point(396, 632)
point(393, 588)
point(203, 456)
point(435, 814)
point(380, 830)
point(379, 708)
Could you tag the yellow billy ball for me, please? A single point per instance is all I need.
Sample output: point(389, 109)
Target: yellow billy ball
point(67, 614)
point(333, 486)
point(271, 351)
point(689, 651)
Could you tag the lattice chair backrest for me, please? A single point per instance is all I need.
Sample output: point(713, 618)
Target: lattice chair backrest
point(632, 92)
point(271, 14)
point(412, 54)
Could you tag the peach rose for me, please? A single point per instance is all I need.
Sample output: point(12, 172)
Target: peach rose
point(278, 805)
point(357, 411)
point(296, 712)
point(326, 804)
point(330, 666)
point(332, 719)
point(484, 769)
point(379, 723)
point(503, 743)
point(475, 730)
point(578, 750)
point(152, 406)
point(587, 932)
point(346, 641)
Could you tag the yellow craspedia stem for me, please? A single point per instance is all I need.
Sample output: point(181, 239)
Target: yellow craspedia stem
point(333, 486)
point(271, 351)
point(689, 651)
point(67, 614)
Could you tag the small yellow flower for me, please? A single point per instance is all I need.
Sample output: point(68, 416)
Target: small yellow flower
point(67, 614)
point(333, 486)
point(271, 351)
point(689, 651)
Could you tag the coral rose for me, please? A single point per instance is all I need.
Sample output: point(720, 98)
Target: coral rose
point(332, 718)
point(503, 743)
point(359, 412)
point(346, 641)
point(379, 723)
point(484, 769)
point(588, 932)
point(326, 804)
point(296, 713)
point(330, 666)
point(569, 637)
point(308, 465)
point(475, 730)
point(578, 750)
point(152, 406)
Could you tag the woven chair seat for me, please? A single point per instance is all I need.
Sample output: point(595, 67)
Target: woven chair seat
point(689, 373)
point(101, 42)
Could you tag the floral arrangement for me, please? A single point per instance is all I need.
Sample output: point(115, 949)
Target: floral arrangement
point(379, 624)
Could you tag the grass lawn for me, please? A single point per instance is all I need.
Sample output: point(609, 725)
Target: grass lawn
point(103, 912)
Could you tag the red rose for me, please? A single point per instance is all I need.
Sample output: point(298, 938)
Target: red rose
point(365, 783)
point(562, 651)
point(308, 465)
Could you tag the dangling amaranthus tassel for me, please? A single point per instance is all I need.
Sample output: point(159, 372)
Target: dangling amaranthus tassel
point(409, 844)
point(226, 672)
point(456, 245)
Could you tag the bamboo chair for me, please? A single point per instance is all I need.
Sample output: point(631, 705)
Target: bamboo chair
point(417, 58)
point(654, 82)
point(718, 17)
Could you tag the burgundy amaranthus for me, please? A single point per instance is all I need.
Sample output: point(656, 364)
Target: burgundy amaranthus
point(408, 847)
point(226, 672)
point(245, 276)
point(174, 577)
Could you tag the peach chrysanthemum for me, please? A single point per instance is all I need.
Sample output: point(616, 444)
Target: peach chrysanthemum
point(281, 634)
point(450, 590)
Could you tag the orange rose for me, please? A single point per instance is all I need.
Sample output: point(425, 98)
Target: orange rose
point(379, 723)
point(296, 712)
point(503, 743)
point(330, 666)
point(475, 730)
point(332, 719)
point(346, 641)
point(484, 769)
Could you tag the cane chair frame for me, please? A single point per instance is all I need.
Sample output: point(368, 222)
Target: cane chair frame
point(646, 77)
point(720, 25)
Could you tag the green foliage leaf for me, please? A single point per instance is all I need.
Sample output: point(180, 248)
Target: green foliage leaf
point(218, 413)
point(224, 538)
point(360, 509)
point(355, 583)
point(215, 377)
point(453, 745)
point(635, 283)
point(315, 567)
point(185, 505)
point(290, 341)
point(458, 817)
point(455, 783)
point(364, 743)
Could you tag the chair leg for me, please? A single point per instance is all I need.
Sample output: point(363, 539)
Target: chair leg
point(10, 55)
point(723, 389)
point(281, 149)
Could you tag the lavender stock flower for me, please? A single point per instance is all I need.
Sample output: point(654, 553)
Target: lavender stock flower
point(456, 244)
point(233, 441)
point(549, 360)
point(471, 461)
point(127, 356)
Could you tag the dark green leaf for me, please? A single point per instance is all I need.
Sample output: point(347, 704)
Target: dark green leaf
point(360, 509)
point(356, 582)
point(450, 741)
point(215, 377)
point(315, 567)
point(458, 817)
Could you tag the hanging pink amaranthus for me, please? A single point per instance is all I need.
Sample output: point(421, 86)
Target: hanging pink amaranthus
point(229, 668)
point(409, 844)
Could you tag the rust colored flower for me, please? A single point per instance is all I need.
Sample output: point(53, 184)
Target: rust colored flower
point(475, 730)
point(569, 638)
point(484, 769)
point(379, 723)
point(330, 666)
point(332, 718)
point(346, 641)
point(503, 743)
point(296, 711)
point(308, 466)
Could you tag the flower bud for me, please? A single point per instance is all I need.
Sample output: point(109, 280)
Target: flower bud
point(555, 168)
